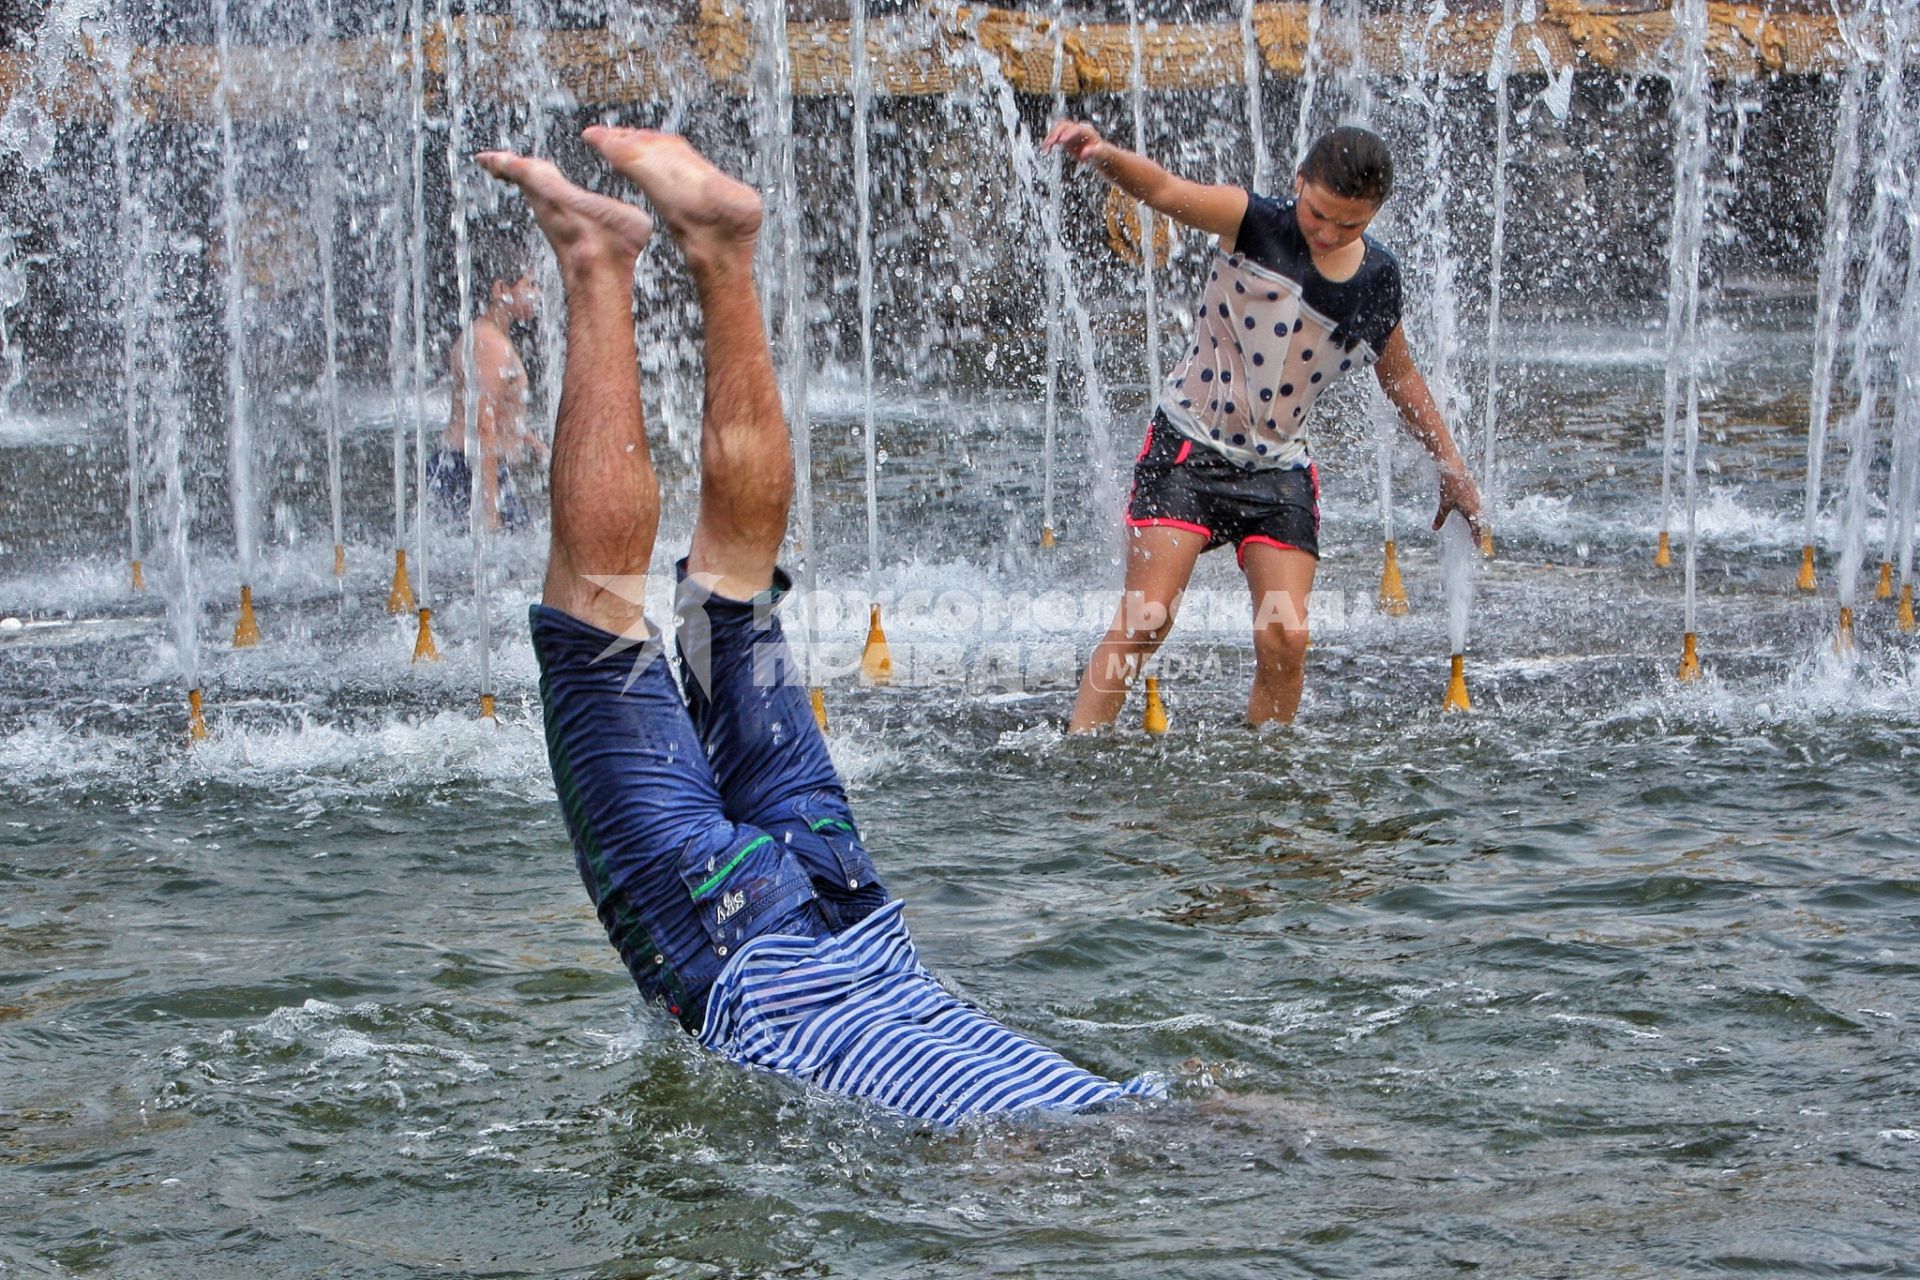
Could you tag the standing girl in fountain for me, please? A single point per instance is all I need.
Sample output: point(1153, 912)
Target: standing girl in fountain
point(1297, 296)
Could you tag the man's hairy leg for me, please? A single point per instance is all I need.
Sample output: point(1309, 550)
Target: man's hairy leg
point(606, 499)
point(746, 461)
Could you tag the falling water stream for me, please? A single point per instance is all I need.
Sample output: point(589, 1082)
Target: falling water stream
point(1253, 70)
point(1692, 110)
point(1498, 70)
point(862, 92)
point(420, 269)
point(1892, 143)
point(1833, 286)
point(324, 155)
point(1149, 294)
point(240, 481)
point(483, 464)
point(134, 233)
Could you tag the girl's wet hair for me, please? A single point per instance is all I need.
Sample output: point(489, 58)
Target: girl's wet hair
point(1351, 162)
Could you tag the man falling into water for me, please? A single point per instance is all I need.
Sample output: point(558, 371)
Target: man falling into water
point(712, 830)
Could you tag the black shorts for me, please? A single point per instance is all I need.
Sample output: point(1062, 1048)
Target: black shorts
point(1185, 485)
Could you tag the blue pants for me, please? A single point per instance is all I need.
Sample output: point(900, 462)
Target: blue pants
point(702, 821)
point(451, 481)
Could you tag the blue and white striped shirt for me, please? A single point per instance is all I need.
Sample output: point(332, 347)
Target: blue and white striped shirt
point(857, 1013)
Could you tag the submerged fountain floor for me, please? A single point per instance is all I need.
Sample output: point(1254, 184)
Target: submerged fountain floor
point(1612, 977)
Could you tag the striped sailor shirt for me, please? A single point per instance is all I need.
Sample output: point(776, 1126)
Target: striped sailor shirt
point(857, 1013)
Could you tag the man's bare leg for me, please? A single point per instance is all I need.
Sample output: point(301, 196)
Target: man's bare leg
point(606, 499)
point(746, 459)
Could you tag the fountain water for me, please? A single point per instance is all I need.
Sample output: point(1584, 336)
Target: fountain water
point(1832, 288)
point(876, 661)
point(240, 479)
point(135, 234)
point(324, 149)
point(424, 648)
point(1893, 141)
point(400, 360)
point(1685, 226)
point(1056, 299)
point(1691, 120)
point(1253, 69)
point(483, 464)
point(1906, 425)
point(1149, 246)
point(1500, 67)
point(1437, 268)
point(781, 162)
point(1310, 70)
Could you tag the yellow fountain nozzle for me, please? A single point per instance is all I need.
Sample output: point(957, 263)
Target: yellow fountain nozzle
point(1046, 537)
point(339, 560)
point(400, 599)
point(876, 660)
point(486, 708)
point(1457, 699)
point(1843, 635)
point(1486, 544)
point(139, 576)
point(423, 646)
point(1393, 595)
point(246, 632)
point(1805, 580)
point(1154, 720)
point(196, 718)
point(1904, 618)
point(1663, 554)
point(819, 700)
point(1885, 590)
point(1689, 660)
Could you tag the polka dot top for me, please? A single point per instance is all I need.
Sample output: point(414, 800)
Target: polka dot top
point(1271, 334)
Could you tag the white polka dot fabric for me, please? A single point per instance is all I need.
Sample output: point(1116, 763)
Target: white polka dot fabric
point(1260, 358)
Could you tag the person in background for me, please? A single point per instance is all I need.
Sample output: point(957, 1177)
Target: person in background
point(500, 378)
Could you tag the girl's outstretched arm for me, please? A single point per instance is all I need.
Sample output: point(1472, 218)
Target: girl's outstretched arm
point(1216, 210)
point(1400, 379)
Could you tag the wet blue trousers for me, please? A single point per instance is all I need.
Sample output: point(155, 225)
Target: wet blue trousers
point(705, 819)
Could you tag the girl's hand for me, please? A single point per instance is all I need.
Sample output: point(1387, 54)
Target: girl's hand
point(1457, 493)
point(1079, 140)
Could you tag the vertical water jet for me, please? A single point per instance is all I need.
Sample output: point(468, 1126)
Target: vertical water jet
point(400, 597)
point(1893, 139)
point(483, 463)
point(133, 233)
point(423, 646)
point(1832, 286)
point(246, 632)
point(1691, 116)
point(876, 659)
point(1497, 73)
point(1256, 112)
point(323, 189)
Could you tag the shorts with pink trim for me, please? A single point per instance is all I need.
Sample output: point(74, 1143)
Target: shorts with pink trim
point(1179, 483)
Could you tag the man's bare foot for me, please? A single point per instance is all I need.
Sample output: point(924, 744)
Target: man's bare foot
point(588, 232)
point(707, 212)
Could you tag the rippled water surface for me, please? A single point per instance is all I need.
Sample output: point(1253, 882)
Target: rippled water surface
point(1613, 977)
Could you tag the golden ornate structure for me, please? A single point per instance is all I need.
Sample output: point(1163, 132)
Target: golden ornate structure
point(936, 51)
